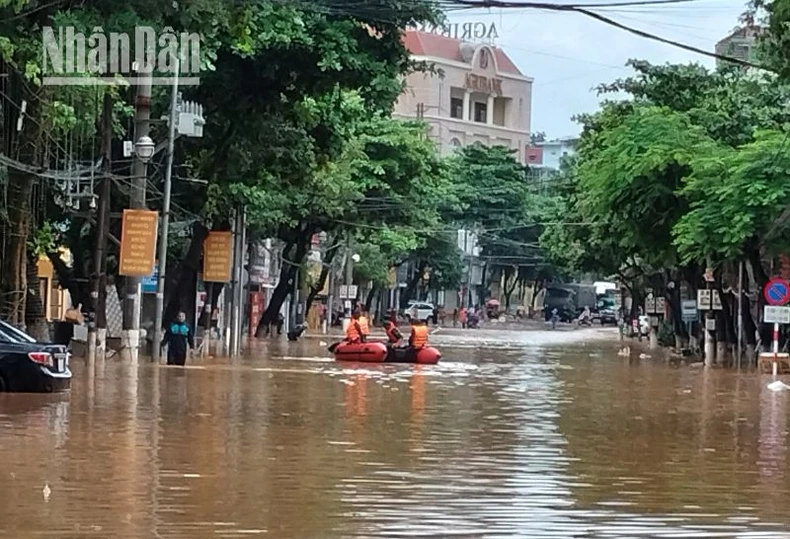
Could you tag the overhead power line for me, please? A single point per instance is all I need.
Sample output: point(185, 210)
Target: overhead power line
point(473, 4)
point(585, 9)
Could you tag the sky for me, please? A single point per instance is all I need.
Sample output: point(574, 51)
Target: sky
point(568, 54)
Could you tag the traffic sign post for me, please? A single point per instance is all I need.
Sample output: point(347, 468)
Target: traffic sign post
point(688, 311)
point(650, 305)
point(703, 299)
point(773, 314)
point(776, 294)
point(715, 300)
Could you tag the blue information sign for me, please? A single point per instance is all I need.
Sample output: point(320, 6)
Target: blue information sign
point(149, 283)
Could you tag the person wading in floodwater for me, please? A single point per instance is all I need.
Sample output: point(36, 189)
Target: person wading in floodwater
point(179, 338)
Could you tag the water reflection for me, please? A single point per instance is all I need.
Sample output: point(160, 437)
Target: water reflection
point(524, 440)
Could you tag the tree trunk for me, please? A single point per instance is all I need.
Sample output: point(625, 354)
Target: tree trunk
point(23, 142)
point(181, 284)
point(540, 284)
point(287, 275)
point(676, 314)
point(20, 189)
point(509, 289)
point(749, 326)
point(78, 289)
point(483, 290)
point(371, 295)
point(314, 290)
point(411, 287)
point(35, 318)
point(761, 278)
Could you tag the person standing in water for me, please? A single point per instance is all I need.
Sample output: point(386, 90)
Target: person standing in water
point(178, 338)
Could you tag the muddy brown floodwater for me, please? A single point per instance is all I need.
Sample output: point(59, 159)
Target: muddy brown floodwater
point(532, 434)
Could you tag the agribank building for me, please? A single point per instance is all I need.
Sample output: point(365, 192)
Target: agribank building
point(476, 94)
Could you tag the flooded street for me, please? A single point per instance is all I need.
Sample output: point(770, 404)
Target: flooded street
point(513, 434)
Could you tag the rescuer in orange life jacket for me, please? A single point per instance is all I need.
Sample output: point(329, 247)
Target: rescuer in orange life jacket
point(364, 324)
point(391, 327)
point(353, 331)
point(419, 335)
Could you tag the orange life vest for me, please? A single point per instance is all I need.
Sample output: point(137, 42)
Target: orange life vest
point(352, 332)
point(393, 335)
point(364, 325)
point(419, 336)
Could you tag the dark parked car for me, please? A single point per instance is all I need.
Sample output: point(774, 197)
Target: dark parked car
point(30, 366)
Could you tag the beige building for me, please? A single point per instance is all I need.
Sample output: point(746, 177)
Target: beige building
point(740, 44)
point(476, 95)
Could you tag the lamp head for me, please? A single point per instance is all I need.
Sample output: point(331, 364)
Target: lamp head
point(144, 148)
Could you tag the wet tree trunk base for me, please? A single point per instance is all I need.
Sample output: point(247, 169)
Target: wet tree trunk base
point(722, 353)
point(181, 284)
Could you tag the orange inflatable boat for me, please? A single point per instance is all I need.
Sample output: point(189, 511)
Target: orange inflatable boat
point(379, 352)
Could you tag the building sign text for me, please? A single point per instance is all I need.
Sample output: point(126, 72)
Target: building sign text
point(486, 85)
point(462, 31)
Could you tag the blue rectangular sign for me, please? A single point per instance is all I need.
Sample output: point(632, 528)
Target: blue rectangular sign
point(149, 283)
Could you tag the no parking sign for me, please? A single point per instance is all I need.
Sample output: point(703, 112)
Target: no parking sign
point(776, 292)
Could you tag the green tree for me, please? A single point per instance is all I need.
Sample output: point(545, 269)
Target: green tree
point(501, 204)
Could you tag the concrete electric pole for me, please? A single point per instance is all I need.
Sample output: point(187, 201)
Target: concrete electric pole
point(132, 299)
point(160, 283)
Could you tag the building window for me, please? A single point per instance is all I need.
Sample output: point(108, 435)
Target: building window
point(455, 143)
point(457, 108)
point(481, 112)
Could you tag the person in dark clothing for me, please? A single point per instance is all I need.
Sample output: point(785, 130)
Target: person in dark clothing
point(179, 338)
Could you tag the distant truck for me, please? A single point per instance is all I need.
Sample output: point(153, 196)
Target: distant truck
point(569, 300)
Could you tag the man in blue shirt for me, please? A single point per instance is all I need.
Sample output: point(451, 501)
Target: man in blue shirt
point(179, 338)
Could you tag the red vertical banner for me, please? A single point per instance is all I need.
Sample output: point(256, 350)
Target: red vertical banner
point(256, 308)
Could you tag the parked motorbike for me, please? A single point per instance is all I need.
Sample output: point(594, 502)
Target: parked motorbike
point(473, 321)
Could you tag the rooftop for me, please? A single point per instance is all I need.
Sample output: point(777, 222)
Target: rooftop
point(448, 48)
point(745, 32)
point(569, 140)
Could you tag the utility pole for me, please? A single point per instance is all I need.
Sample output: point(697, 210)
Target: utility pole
point(710, 318)
point(104, 226)
point(240, 291)
point(98, 323)
point(132, 301)
point(330, 307)
point(740, 312)
point(350, 265)
point(467, 302)
point(239, 244)
point(160, 283)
